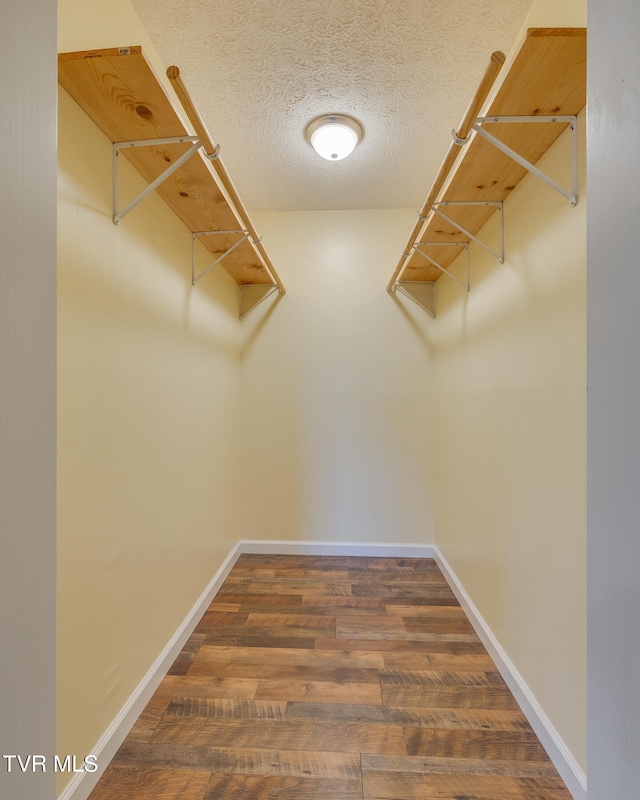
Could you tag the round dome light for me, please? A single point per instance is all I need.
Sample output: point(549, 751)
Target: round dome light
point(334, 136)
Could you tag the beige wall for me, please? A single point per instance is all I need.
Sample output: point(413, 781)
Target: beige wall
point(148, 423)
point(337, 386)
point(104, 23)
point(326, 401)
point(554, 14)
point(511, 440)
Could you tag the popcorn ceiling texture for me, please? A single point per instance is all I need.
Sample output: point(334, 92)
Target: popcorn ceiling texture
point(259, 70)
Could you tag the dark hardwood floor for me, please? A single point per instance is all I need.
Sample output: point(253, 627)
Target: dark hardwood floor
point(321, 677)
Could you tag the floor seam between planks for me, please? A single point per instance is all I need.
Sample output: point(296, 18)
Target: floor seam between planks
point(312, 677)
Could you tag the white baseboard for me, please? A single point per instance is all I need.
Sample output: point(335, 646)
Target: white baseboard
point(287, 547)
point(83, 783)
point(558, 752)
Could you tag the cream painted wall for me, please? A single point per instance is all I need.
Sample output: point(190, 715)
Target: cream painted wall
point(148, 422)
point(104, 23)
point(511, 440)
point(552, 14)
point(337, 386)
point(338, 410)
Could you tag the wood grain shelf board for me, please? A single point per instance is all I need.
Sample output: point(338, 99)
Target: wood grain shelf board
point(122, 95)
point(547, 76)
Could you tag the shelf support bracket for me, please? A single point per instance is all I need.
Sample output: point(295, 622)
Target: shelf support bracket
point(195, 278)
point(572, 196)
point(421, 292)
point(252, 294)
point(118, 146)
point(466, 286)
point(499, 256)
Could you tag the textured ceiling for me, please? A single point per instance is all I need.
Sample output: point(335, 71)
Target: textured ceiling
point(259, 70)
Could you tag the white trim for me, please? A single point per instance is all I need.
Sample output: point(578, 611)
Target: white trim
point(83, 783)
point(558, 752)
point(287, 547)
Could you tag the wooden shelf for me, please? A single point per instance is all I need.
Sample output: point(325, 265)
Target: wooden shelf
point(547, 77)
point(120, 92)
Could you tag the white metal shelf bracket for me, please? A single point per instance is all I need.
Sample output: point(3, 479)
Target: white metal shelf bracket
point(195, 278)
point(499, 256)
point(466, 286)
point(421, 292)
point(118, 146)
point(252, 294)
point(571, 196)
point(249, 295)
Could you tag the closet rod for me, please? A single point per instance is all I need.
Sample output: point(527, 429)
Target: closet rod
point(212, 151)
point(477, 101)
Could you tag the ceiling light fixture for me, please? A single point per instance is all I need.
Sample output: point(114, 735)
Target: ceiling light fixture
point(334, 136)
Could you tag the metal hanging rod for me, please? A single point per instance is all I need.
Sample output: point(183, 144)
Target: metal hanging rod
point(213, 153)
point(488, 79)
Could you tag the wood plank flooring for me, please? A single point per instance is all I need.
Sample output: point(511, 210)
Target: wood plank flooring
point(312, 678)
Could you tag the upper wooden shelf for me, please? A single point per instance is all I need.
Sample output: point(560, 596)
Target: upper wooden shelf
point(547, 77)
point(120, 92)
